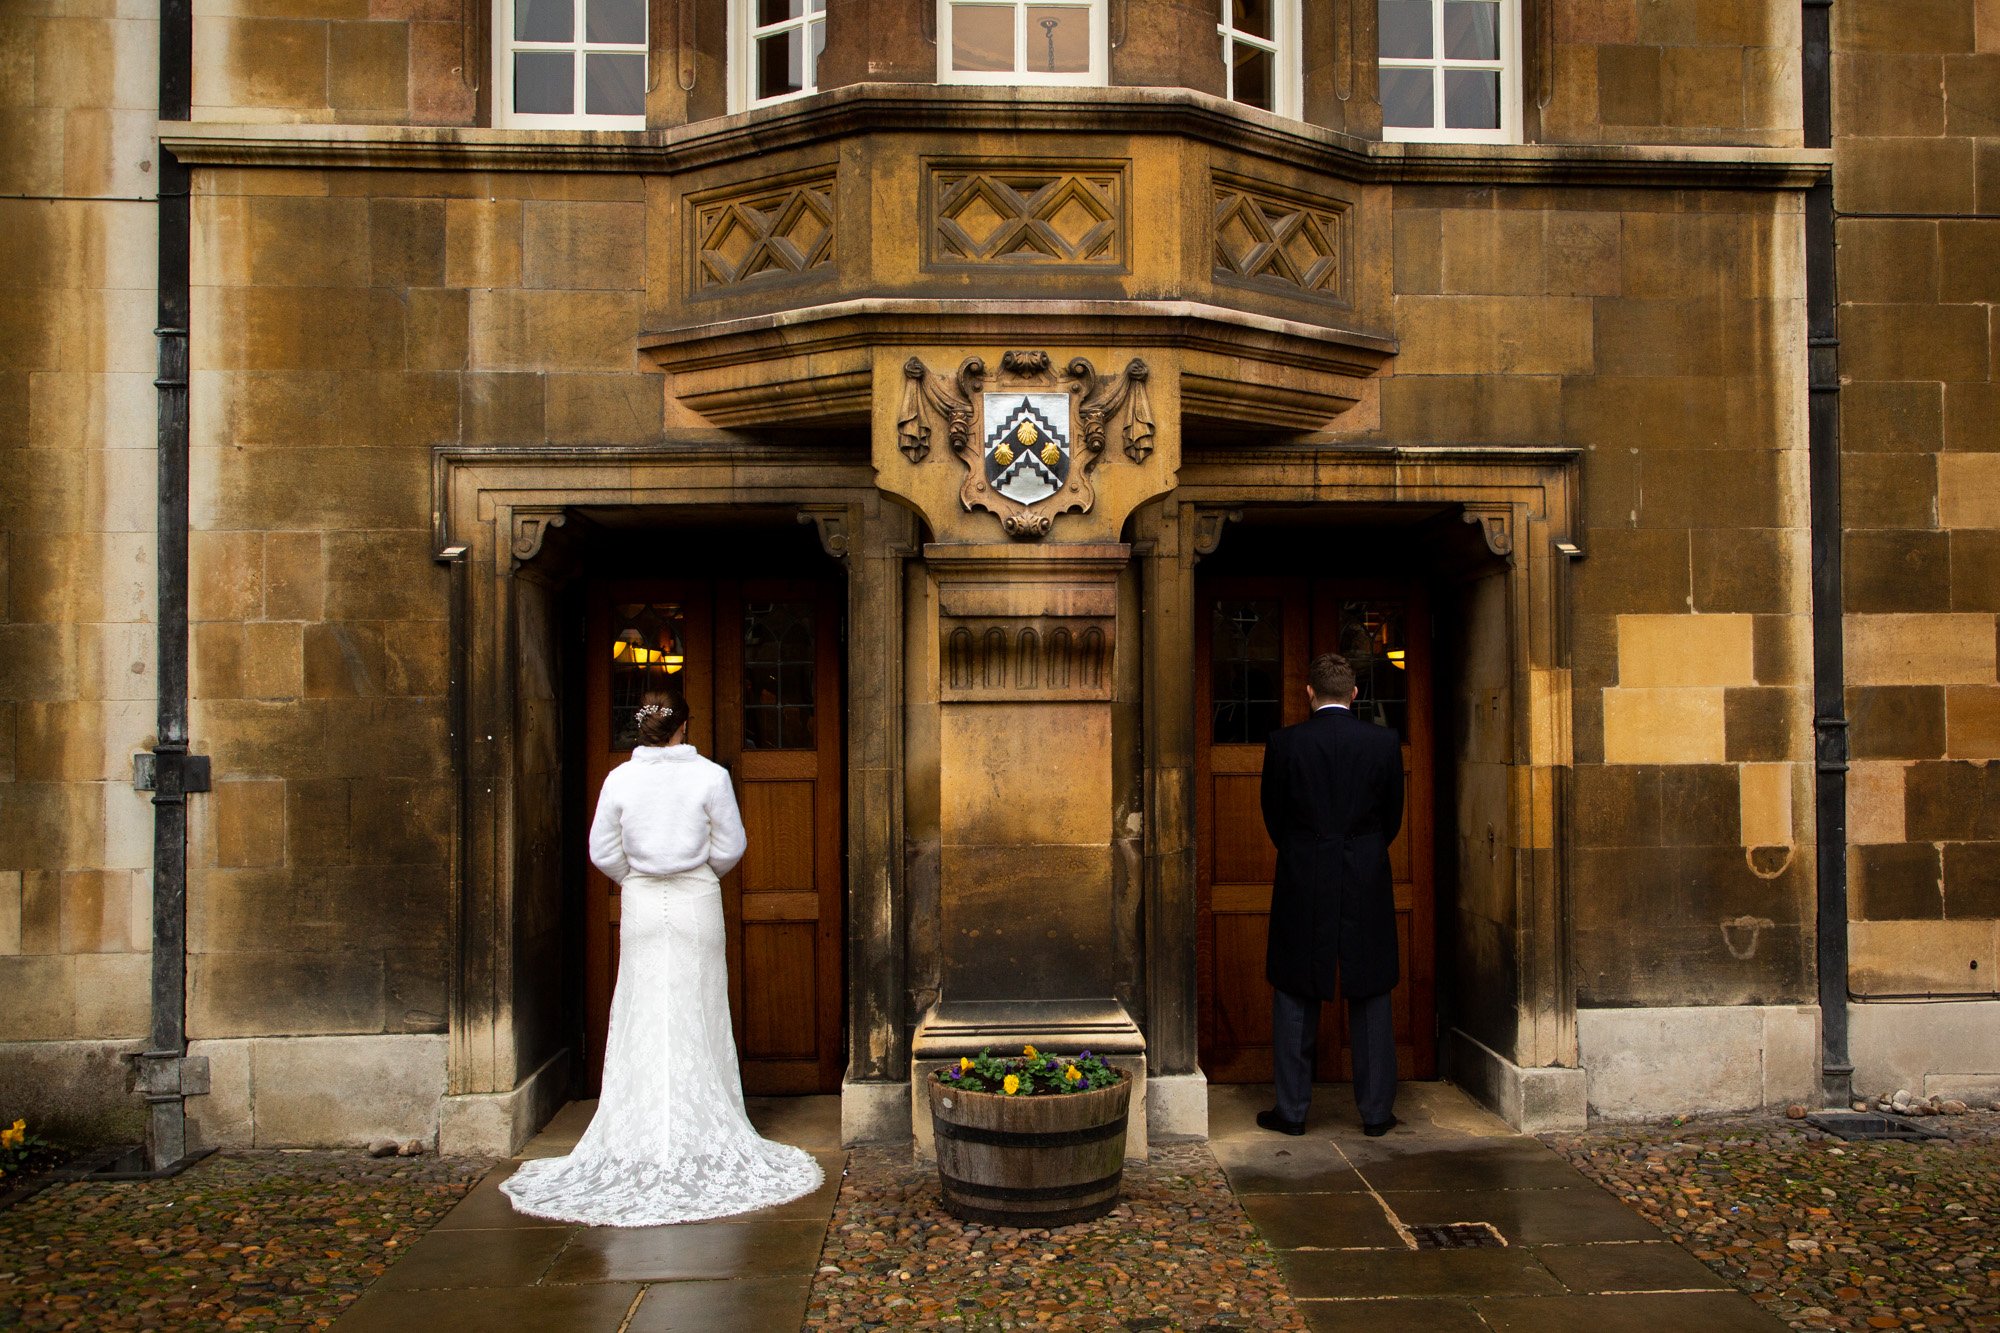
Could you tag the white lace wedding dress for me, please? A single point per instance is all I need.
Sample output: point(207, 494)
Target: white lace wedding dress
point(670, 1141)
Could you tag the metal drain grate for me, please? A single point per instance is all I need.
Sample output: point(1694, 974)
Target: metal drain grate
point(1852, 1125)
point(1459, 1236)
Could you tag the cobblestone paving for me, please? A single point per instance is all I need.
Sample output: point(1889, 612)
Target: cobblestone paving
point(250, 1240)
point(1176, 1254)
point(1824, 1234)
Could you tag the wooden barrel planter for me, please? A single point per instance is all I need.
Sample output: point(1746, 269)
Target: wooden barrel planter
point(1043, 1161)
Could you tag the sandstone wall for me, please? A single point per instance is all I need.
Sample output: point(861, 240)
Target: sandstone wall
point(1917, 189)
point(76, 564)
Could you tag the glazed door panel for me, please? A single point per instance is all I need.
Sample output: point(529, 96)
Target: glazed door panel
point(759, 666)
point(1254, 637)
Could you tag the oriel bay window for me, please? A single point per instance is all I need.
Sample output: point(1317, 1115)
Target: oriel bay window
point(778, 48)
point(1021, 41)
point(1259, 53)
point(1450, 70)
point(570, 64)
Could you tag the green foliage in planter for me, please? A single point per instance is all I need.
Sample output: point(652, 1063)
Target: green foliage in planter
point(1032, 1073)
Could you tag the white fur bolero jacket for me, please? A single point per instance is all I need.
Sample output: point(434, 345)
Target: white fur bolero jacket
point(663, 811)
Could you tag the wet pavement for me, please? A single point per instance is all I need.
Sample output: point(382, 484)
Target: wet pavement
point(1349, 1215)
point(1713, 1225)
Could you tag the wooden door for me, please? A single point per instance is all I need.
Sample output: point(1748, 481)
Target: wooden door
point(1254, 640)
point(758, 664)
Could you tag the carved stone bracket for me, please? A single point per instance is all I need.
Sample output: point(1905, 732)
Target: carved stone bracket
point(1496, 525)
point(1208, 526)
point(1097, 404)
point(531, 528)
point(831, 520)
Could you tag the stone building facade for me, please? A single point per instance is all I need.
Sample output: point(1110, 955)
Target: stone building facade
point(982, 411)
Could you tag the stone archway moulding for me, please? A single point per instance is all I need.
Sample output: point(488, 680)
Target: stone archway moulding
point(1525, 504)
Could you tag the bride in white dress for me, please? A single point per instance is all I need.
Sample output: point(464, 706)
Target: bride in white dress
point(670, 1141)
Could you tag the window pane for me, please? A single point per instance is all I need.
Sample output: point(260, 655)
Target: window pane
point(777, 11)
point(1374, 640)
point(1405, 29)
point(1471, 30)
point(982, 37)
point(1406, 98)
point(544, 21)
point(616, 21)
point(778, 666)
point(544, 83)
point(780, 63)
point(1058, 39)
point(1246, 648)
point(818, 49)
point(1252, 77)
point(1251, 16)
point(614, 85)
point(1472, 99)
point(648, 647)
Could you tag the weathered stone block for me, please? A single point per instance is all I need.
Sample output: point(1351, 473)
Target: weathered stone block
point(247, 994)
point(1888, 491)
point(1972, 93)
point(325, 487)
point(1875, 802)
point(114, 995)
point(1702, 86)
point(1948, 649)
point(1449, 408)
point(605, 409)
point(1972, 721)
point(1972, 879)
point(1764, 723)
point(1895, 722)
point(1885, 93)
point(368, 69)
point(1700, 805)
point(1629, 90)
point(1897, 570)
point(1494, 335)
point(1634, 570)
point(1745, 570)
point(294, 575)
point(347, 1090)
point(1617, 805)
point(1905, 25)
point(1884, 175)
point(583, 245)
point(1895, 881)
point(1767, 805)
point(261, 63)
point(1921, 957)
point(406, 242)
point(502, 409)
point(1673, 650)
point(1969, 413)
point(437, 336)
point(1969, 258)
point(1969, 490)
point(41, 992)
point(249, 819)
point(1663, 726)
point(278, 328)
point(483, 243)
point(1953, 801)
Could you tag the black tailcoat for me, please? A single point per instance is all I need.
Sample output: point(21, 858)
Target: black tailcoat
point(1333, 801)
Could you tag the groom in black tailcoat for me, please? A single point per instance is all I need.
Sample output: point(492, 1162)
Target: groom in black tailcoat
point(1333, 801)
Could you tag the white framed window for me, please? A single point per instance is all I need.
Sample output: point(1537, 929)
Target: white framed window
point(570, 64)
point(777, 45)
point(1260, 47)
point(1450, 70)
point(1021, 41)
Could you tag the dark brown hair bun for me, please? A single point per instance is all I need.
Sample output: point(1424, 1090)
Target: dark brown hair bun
point(660, 716)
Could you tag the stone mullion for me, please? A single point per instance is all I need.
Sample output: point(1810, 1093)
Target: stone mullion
point(1170, 911)
point(882, 537)
point(475, 998)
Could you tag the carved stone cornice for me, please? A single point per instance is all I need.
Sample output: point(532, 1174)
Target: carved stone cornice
point(812, 366)
point(869, 108)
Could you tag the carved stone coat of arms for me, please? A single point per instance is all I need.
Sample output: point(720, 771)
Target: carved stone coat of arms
point(1030, 436)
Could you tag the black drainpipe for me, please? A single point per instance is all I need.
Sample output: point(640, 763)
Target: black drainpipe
point(165, 1077)
point(1829, 670)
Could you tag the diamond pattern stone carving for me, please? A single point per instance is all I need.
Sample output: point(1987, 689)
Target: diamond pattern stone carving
point(765, 233)
point(1026, 215)
point(1272, 238)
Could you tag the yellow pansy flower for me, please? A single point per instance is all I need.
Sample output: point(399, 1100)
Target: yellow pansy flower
point(1072, 1074)
point(1030, 1052)
point(964, 1063)
point(1012, 1085)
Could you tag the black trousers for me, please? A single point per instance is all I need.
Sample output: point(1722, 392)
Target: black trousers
point(1371, 1035)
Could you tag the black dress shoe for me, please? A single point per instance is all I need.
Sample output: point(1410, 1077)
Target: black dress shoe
point(1277, 1124)
point(1376, 1131)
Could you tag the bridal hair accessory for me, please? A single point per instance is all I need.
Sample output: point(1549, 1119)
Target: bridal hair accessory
point(654, 710)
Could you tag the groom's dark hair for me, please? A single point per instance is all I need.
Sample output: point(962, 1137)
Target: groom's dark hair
point(1331, 678)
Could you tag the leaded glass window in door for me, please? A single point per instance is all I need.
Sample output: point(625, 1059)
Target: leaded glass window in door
point(779, 665)
point(1247, 669)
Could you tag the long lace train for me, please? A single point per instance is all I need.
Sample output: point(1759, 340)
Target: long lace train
point(670, 1141)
